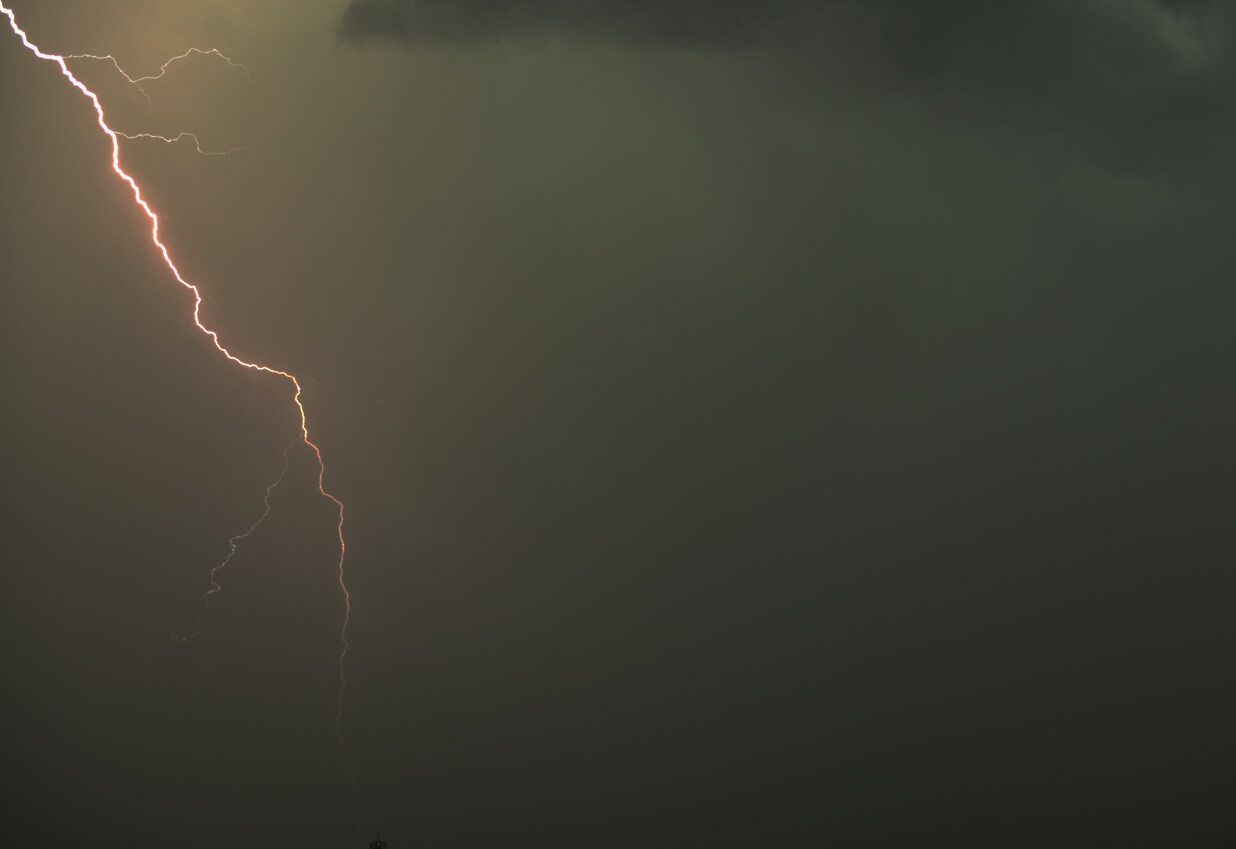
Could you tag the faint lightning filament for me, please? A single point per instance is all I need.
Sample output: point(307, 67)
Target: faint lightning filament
point(137, 81)
point(173, 139)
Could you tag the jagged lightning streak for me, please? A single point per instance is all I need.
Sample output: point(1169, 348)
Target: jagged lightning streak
point(162, 248)
point(173, 139)
point(163, 68)
point(233, 544)
point(137, 81)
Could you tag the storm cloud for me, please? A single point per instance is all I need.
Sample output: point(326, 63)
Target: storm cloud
point(684, 23)
point(1137, 86)
point(918, 32)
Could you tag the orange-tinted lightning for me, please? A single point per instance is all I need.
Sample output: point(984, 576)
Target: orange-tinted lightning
point(115, 137)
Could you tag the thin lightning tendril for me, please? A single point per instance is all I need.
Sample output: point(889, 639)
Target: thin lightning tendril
point(236, 540)
point(137, 81)
point(214, 336)
point(233, 545)
point(173, 139)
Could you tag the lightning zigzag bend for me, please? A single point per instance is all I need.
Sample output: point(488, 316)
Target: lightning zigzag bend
point(115, 136)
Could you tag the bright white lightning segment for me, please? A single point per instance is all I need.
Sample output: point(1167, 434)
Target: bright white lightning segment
point(164, 252)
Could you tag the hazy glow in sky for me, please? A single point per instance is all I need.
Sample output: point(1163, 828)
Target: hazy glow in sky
point(756, 421)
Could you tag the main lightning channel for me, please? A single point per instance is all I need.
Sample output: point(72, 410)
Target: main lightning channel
point(214, 336)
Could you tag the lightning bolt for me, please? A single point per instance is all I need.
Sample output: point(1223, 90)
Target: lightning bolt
point(139, 199)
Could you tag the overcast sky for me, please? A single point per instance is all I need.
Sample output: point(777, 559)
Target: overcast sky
point(779, 423)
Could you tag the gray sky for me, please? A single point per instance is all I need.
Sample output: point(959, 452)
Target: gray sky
point(754, 420)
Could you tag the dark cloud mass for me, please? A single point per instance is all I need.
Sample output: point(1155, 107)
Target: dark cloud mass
point(1137, 85)
point(919, 31)
point(688, 22)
